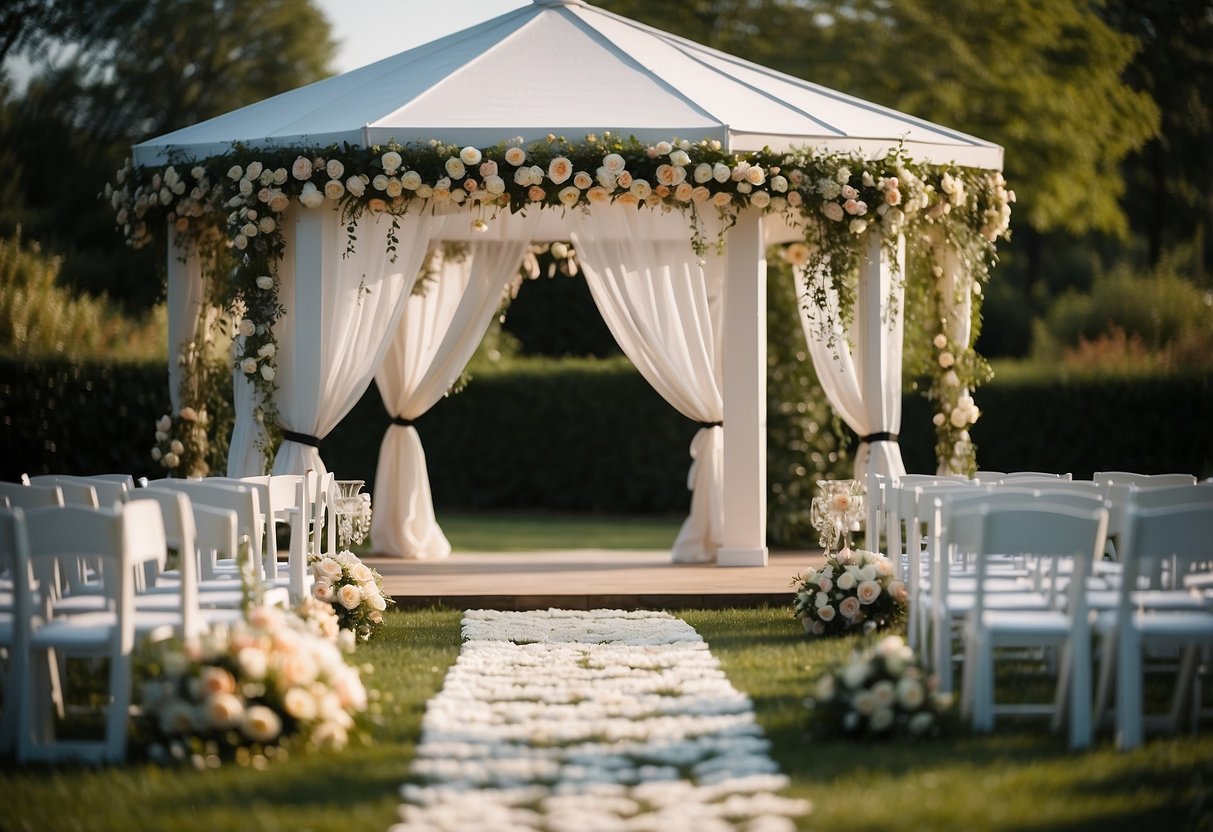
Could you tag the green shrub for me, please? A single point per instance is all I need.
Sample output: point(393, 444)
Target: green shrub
point(40, 318)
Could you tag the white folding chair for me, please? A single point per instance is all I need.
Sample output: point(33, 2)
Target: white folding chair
point(76, 490)
point(242, 499)
point(15, 621)
point(31, 496)
point(1142, 480)
point(122, 540)
point(1160, 545)
point(1012, 524)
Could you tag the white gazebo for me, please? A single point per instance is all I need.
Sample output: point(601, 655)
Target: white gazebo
point(694, 324)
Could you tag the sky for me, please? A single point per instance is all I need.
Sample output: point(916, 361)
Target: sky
point(368, 30)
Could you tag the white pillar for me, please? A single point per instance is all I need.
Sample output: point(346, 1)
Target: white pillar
point(744, 538)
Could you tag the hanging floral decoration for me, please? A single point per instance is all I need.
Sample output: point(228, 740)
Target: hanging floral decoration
point(834, 199)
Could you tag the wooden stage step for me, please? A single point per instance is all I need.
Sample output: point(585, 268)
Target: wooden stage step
point(587, 579)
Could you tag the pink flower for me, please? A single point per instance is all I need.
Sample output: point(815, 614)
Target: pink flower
point(826, 613)
point(559, 170)
point(302, 168)
point(488, 168)
point(849, 606)
point(832, 210)
point(867, 592)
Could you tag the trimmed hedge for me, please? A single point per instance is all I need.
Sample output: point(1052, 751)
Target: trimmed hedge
point(588, 436)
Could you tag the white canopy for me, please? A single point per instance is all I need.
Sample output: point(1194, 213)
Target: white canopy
point(569, 68)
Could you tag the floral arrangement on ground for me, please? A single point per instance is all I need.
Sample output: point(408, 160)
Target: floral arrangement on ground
point(881, 691)
point(354, 590)
point(854, 591)
point(249, 692)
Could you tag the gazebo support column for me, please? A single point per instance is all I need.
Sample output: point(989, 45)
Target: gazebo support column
point(743, 538)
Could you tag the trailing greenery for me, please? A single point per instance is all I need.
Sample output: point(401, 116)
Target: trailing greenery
point(39, 317)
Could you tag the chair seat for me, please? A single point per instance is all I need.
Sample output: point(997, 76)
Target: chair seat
point(84, 631)
point(1036, 624)
point(1179, 624)
point(164, 601)
point(968, 585)
point(961, 603)
point(1149, 599)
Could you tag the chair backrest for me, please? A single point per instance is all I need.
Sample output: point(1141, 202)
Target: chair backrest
point(1143, 480)
point(1179, 536)
point(177, 513)
point(77, 491)
point(14, 560)
point(1176, 495)
point(242, 499)
point(1000, 524)
point(1012, 476)
point(217, 536)
point(31, 496)
point(121, 540)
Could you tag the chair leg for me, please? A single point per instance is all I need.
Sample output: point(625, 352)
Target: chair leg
point(983, 687)
point(1062, 695)
point(118, 713)
point(1182, 700)
point(1077, 666)
point(1107, 667)
point(1129, 669)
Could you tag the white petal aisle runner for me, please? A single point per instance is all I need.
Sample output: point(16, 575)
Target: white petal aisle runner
point(567, 721)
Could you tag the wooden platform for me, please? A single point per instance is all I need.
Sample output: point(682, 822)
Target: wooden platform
point(587, 579)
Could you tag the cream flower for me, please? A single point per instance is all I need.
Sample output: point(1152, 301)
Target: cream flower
point(470, 156)
point(267, 372)
point(301, 169)
point(940, 341)
point(858, 226)
point(323, 591)
point(867, 592)
point(455, 168)
point(946, 359)
point(832, 210)
point(559, 170)
point(350, 596)
point(278, 201)
point(253, 662)
point(570, 195)
point(261, 724)
point(235, 172)
point(494, 184)
point(265, 282)
point(515, 156)
point(249, 366)
point(310, 195)
point(614, 163)
point(722, 199)
point(394, 187)
point(826, 613)
point(223, 710)
point(582, 180)
point(760, 199)
point(846, 581)
point(390, 161)
point(640, 188)
point(410, 180)
point(797, 254)
point(334, 190)
point(267, 350)
point(849, 606)
point(267, 225)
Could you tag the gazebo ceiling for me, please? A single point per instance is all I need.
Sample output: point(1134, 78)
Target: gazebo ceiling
point(570, 68)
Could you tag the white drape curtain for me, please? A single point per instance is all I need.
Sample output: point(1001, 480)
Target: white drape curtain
point(437, 333)
point(956, 307)
point(665, 311)
point(861, 372)
point(186, 306)
point(341, 314)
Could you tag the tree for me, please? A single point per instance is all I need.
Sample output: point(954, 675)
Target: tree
point(154, 68)
point(1172, 175)
point(1041, 79)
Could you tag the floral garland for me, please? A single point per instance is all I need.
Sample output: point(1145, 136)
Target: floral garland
point(833, 198)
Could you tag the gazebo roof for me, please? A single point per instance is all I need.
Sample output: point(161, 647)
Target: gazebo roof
point(569, 68)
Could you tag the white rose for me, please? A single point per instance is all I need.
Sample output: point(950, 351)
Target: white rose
point(470, 156)
point(249, 229)
point(760, 199)
point(940, 341)
point(846, 581)
point(249, 366)
point(301, 169)
point(278, 201)
point(156, 454)
point(881, 719)
point(267, 372)
point(310, 196)
point(559, 170)
point(455, 168)
point(323, 591)
point(663, 148)
point(516, 156)
point(858, 226)
point(868, 591)
point(334, 169)
point(391, 161)
point(779, 184)
point(826, 612)
point(702, 173)
point(334, 190)
point(300, 704)
point(614, 163)
point(582, 180)
point(570, 195)
point(494, 184)
point(355, 185)
point(721, 172)
point(910, 694)
point(755, 175)
point(379, 183)
point(247, 327)
point(946, 359)
point(235, 172)
point(410, 180)
point(265, 282)
point(376, 600)
point(641, 188)
point(350, 596)
point(267, 225)
point(267, 350)
point(171, 460)
point(261, 724)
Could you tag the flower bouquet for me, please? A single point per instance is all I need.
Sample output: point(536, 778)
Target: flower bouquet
point(182, 444)
point(354, 589)
point(244, 693)
point(854, 591)
point(881, 691)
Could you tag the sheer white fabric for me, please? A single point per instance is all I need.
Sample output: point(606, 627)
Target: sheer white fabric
point(438, 331)
point(245, 454)
point(334, 334)
point(186, 305)
point(956, 306)
point(665, 311)
point(861, 373)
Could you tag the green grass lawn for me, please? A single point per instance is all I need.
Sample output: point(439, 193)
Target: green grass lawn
point(1020, 778)
point(528, 532)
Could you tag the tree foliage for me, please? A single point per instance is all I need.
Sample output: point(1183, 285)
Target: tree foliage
point(139, 70)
